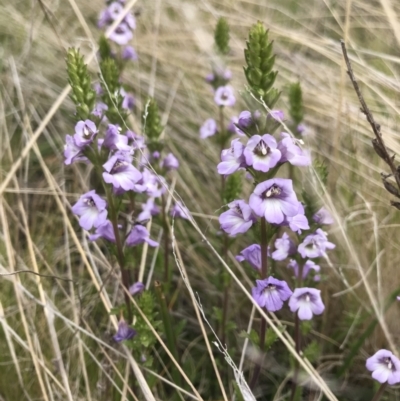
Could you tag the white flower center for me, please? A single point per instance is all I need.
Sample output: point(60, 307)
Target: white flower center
point(273, 190)
point(118, 164)
point(89, 202)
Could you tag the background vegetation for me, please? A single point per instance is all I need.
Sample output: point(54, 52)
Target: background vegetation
point(56, 335)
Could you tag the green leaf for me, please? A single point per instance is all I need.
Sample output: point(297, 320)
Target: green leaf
point(312, 351)
point(305, 327)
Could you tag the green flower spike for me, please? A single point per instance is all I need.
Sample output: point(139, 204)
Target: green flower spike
point(260, 62)
point(83, 94)
point(221, 36)
point(152, 125)
point(296, 103)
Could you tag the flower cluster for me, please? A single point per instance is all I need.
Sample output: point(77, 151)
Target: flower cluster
point(219, 80)
point(273, 201)
point(129, 169)
point(123, 33)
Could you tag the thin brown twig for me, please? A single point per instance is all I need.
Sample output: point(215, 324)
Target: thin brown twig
point(377, 143)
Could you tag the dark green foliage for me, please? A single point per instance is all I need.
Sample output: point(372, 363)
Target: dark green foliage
point(310, 204)
point(305, 327)
point(260, 62)
point(253, 337)
point(221, 36)
point(312, 351)
point(296, 109)
point(104, 48)
point(270, 338)
point(322, 171)
point(152, 127)
point(143, 342)
point(233, 188)
point(83, 94)
point(109, 79)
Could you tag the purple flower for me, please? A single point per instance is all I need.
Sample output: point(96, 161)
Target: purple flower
point(291, 152)
point(92, 210)
point(136, 288)
point(105, 231)
point(121, 34)
point(139, 235)
point(298, 222)
point(309, 265)
point(219, 74)
point(128, 101)
point(180, 211)
point(104, 18)
point(149, 209)
point(224, 96)
point(232, 128)
point(276, 115)
point(274, 199)
point(261, 152)
point(113, 140)
point(251, 254)
point(385, 367)
point(152, 185)
point(124, 332)
point(115, 10)
point(137, 141)
point(270, 293)
point(129, 53)
point(301, 128)
point(130, 20)
point(323, 217)
point(72, 152)
point(170, 162)
point(98, 88)
point(99, 109)
point(85, 132)
point(245, 119)
point(238, 219)
point(315, 245)
point(209, 128)
point(232, 159)
point(284, 247)
point(120, 173)
point(306, 302)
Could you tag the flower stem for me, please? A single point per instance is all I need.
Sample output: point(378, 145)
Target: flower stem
point(166, 241)
point(297, 339)
point(224, 280)
point(263, 273)
point(222, 137)
point(264, 249)
point(120, 252)
point(166, 318)
point(379, 393)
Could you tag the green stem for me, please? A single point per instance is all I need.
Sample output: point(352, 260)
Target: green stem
point(297, 339)
point(222, 139)
point(263, 273)
point(126, 280)
point(169, 333)
point(380, 392)
point(120, 252)
point(264, 249)
point(166, 241)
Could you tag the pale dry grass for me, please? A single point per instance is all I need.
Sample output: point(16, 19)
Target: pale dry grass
point(46, 323)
